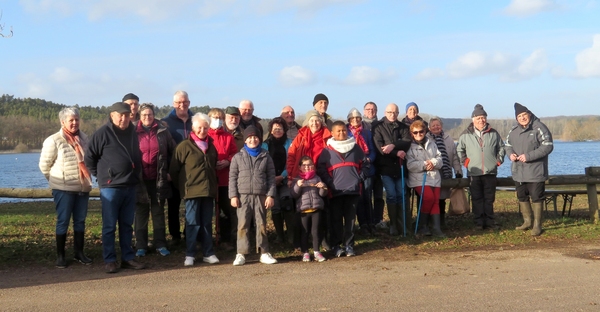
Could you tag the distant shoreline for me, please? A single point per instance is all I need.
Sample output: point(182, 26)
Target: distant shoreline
point(13, 152)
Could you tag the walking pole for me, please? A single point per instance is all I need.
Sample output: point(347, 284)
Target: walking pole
point(403, 201)
point(420, 201)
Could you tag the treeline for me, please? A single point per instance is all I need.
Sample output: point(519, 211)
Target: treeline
point(28, 122)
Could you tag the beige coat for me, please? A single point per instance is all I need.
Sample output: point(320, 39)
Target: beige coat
point(59, 165)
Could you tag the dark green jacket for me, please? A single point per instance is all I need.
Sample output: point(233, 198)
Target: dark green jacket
point(192, 171)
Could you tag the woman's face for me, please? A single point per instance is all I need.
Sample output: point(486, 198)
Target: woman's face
point(314, 123)
point(147, 117)
point(200, 128)
point(252, 141)
point(71, 123)
point(418, 134)
point(277, 131)
point(355, 121)
point(435, 127)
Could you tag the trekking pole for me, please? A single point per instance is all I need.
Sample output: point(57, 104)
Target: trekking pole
point(403, 200)
point(420, 201)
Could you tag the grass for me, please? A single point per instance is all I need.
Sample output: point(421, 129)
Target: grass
point(27, 235)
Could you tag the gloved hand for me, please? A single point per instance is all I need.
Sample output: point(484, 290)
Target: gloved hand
point(459, 175)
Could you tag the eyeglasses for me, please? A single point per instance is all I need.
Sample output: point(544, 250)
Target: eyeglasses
point(277, 129)
point(392, 113)
point(289, 113)
point(418, 132)
point(182, 102)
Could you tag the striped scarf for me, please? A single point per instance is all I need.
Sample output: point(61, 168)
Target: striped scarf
point(446, 168)
point(73, 139)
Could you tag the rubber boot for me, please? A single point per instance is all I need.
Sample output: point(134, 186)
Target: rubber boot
point(437, 230)
point(442, 204)
point(401, 220)
point(537, 208)
point(393, 214)
point(61, 262)
point(525, 208)
point(422, 226)
point(278, 223)
point(78, 239)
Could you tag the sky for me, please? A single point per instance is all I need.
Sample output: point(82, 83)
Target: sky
point(446, 56)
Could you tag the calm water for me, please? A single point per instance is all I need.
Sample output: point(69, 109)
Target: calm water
point(21, 170)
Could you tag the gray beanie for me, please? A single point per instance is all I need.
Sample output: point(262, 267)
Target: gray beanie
point(311, 113)
point(478, 111)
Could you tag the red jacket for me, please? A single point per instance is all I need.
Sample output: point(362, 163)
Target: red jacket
point(224, 142)
point(149, 149)
point(306, 143)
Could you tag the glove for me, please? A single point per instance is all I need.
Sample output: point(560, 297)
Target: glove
point(459, 175)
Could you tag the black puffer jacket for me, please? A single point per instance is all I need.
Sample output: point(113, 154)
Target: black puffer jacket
point(396, 133)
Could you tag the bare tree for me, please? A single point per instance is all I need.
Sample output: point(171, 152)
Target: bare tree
point(8, 35)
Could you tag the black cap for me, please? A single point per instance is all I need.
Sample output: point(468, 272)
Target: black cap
point(251, 131)
point(232, 110)
point(120, 108)
point(519, 109)
point(478, 111)
point(320, 97)
point(130, 96)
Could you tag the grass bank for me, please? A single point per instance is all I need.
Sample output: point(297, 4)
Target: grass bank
point(27, 234)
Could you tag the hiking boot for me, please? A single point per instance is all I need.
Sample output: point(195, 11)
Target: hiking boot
point(111, 267)
point(319, 257)
point(306, 257)
point(350, 251)
point(239, 260)
point(211, 259)
point(338, 252)
point(381, 225)
point(266, 258)
point(132, 264)
point(189, 261)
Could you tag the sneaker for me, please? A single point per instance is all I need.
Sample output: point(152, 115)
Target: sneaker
point(163, 251)
point(111, 267)
point(350, 252)
point(140, 253)
point(339, 252)
point(189, 261)
point(381, 225)
point(239, 259)
point(306, 257)
point(266, 258)
point(212, 259)
point(319, 257)
point(132, 264)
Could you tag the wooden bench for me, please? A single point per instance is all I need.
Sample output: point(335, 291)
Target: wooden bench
point(552, 195)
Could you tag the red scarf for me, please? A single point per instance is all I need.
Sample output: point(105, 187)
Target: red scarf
point(202, 144)
point(356, 133)
point(73, 139)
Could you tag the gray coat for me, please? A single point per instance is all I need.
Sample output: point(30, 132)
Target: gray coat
point(535, 141)
point(480, 155)
point(252, 175)
point(308, 196)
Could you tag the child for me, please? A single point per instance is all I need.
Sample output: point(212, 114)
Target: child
point(251, 190)
point(307, 191)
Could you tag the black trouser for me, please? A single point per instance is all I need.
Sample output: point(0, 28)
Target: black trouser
point(227, 217)
point(378, 202)
point(535, 190)
point(343, 214)
point(173, 204)
point(483, 195)
point(310, 225)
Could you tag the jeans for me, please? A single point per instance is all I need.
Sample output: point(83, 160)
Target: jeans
point(198, 224)
point(70, 204)
point(393, 190)
point(118, 207)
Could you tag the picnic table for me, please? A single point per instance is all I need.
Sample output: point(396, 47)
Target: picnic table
point(552, 195)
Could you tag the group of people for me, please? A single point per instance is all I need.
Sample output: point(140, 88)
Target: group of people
point(317, 179)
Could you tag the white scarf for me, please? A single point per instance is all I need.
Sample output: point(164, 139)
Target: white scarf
point(342, 146)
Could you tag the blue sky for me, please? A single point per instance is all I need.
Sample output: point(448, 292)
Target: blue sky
point(444, 55)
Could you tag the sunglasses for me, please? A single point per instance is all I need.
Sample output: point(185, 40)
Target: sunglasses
point(418, 132)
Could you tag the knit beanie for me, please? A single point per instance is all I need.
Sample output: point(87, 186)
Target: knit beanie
point(130, 96)
point(251, 131)
point(412, 104)
point(478, 111)
point(320, 97)
point(354, 113)
point(519, 109)
point(311, 113)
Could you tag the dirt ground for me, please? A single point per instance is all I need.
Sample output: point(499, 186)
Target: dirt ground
point(538, 278)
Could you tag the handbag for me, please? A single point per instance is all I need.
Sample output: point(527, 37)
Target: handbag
point(458, 202)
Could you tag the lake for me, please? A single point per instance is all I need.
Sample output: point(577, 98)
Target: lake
point(21, 170)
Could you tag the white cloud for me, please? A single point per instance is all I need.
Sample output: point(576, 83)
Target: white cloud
point(588, 60)
point(365, 75)
point(478, 63)
point(532, 66)
point(530, 7)
point(293, 76)
point(430, 73)
point(64, 75)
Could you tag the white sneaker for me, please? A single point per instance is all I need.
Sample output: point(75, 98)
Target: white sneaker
point(189, 261)
point(239, 259)
point(266, 258)
point(212, 259)
point(381, 225)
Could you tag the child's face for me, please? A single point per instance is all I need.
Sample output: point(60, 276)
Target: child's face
point(307, 166)
point(252, 141)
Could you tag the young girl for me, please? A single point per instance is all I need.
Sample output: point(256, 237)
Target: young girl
point(308, 190)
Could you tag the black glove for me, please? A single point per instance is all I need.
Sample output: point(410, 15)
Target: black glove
point(459, 175)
